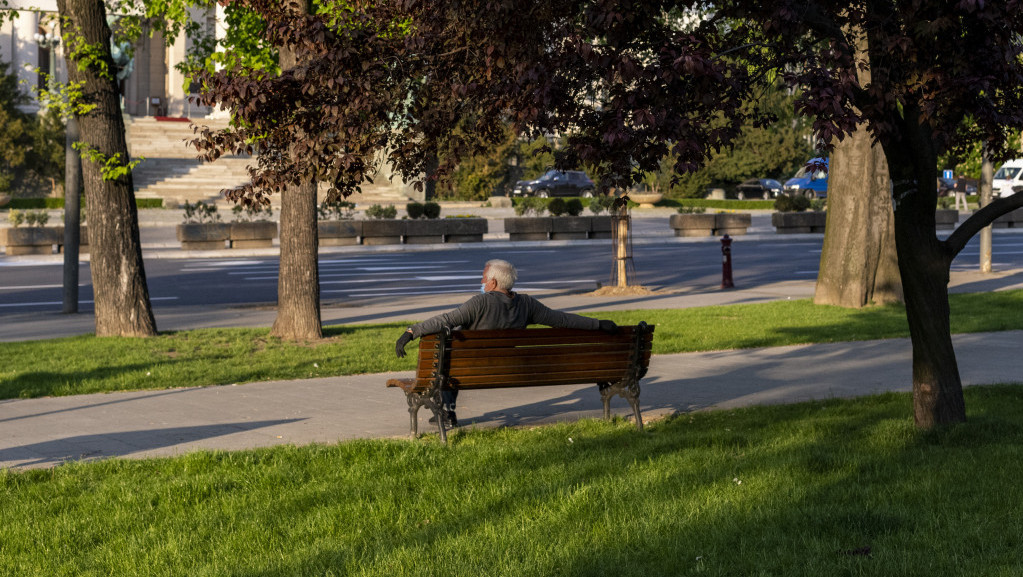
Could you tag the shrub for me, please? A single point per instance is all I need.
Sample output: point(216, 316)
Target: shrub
point(601, 203)
point(574, 206)
point(201, 212)
point(335, 210)
point(557, 207)
point(819, 204)
point(414, 210)
point(686, 209)
point(16, 217)
point(380, 212)
point(431, 210)
point(252, 212)
point(787, 203)
point(37, 217)
point(530, 206)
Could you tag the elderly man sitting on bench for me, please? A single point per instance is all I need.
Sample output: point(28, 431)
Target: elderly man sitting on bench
point(496, 307)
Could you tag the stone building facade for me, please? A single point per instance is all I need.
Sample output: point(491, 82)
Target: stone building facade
point(31, 45)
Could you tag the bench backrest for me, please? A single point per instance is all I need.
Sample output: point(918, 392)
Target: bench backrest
point(532, 357)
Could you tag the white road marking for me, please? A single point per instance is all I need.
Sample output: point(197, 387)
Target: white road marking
point(38, 286)
point(53, 303)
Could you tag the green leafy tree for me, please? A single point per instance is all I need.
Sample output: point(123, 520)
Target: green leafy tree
point(31, 145)
point(15, 136)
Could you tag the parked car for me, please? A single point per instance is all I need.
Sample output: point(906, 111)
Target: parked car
point(811, 180)
point(947, 186)
point(1008, 176)
point(765, 188)
point(556, 183)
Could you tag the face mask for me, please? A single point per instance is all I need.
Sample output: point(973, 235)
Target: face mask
point(483, 289)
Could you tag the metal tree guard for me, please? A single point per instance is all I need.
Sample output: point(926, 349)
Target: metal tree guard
point(623, 272)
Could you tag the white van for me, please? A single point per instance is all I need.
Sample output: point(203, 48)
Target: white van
point(1008, 175)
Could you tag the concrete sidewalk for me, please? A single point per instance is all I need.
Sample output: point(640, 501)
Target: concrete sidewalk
point(39, 433)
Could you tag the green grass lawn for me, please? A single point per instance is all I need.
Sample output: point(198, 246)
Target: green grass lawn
point(87, 364)
point(843, 487)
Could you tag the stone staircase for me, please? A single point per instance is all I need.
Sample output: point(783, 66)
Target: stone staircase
point(172, 172)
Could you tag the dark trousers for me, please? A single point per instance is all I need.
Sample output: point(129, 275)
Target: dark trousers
point(447, 399)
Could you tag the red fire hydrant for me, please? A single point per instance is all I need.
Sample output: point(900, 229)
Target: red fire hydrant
point(726, 262)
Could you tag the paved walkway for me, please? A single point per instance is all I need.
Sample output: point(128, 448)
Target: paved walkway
point(36, 433)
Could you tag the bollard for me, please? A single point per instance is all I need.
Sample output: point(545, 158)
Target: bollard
point(726, 262)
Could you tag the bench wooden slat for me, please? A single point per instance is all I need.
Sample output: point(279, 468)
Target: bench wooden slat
point(541, 341)
point(427, 358)
point(426, 367)
point(538, 352)
point(559, 378)
point(531, 362)
point(531, 334)
point(538, 370)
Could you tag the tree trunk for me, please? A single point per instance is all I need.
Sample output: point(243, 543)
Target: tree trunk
point(924, 262)
point(987, 177)
point(859, 265)
point(118, 274)
point(298, 282)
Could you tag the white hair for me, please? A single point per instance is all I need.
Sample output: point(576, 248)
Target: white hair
point(501, 271)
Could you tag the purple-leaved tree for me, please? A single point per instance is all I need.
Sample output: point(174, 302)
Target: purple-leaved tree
point(625, 84)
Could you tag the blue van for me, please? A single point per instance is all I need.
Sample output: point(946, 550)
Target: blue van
point(811, 181)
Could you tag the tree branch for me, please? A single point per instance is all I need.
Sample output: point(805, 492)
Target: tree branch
point(983, 217)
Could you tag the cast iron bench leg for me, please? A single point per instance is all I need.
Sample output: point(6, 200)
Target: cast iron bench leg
point(627, 390)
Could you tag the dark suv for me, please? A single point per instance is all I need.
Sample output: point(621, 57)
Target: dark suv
point(556, 183)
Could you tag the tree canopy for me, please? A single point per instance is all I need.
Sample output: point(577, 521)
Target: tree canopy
point(625, 85)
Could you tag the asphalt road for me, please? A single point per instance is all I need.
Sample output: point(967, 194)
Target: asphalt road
point(27, 285)
point(36, 285)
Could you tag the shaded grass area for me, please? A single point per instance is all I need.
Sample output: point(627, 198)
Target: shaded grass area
point(87, 364)
point(843, 487)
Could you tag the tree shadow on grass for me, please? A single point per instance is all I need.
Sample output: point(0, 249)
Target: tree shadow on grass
point(122, 443)
point(821, 488)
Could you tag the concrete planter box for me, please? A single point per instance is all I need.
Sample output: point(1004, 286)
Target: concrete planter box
point(30, 239)
point(570, 228)
point(83, 239)
point(385, 231)
point(693, 224)
point(945, 219)
point(558, 227)
point(600, 226)
point(798, 222)
point(1013, 219)
point(465, 229)
point(424, 231)
point(204, 235)
point(732, 223)
point(258, 234)
point(528, 228)
point(339, 232)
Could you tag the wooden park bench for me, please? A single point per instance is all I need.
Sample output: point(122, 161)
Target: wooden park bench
point(471, 360)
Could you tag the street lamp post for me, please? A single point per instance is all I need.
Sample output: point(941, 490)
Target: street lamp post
point(72, 185)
